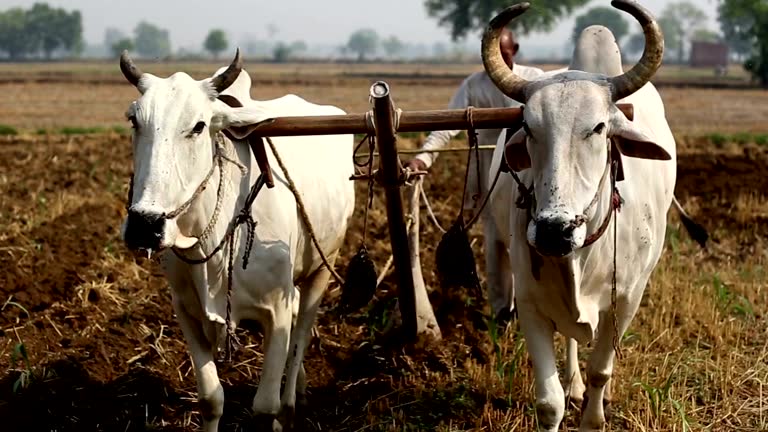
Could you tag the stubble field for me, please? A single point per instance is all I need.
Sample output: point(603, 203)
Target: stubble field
point(102, 350)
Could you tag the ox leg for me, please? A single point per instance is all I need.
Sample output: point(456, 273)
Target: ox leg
point(601, 363)
point(277, 328)
point(539, 338)
point(210, 393)
point(574, 382)
point(311, 296)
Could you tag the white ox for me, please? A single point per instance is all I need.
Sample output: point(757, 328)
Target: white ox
point(561, 282)
point(176, 122)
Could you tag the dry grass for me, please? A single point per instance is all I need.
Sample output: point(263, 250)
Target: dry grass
point(104, 346)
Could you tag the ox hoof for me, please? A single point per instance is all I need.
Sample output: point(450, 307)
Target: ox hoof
point(287, 417)
point(608, 410)
point(265, 423)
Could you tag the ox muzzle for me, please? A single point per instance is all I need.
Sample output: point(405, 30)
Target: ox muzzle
point(144, 230)
point(556, 235)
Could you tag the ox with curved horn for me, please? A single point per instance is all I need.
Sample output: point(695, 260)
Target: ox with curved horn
point(583, 242)
point(621, 86)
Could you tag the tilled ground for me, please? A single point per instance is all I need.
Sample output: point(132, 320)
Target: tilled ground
point(103, 351)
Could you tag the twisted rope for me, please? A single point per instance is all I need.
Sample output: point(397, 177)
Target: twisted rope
point(615, 209)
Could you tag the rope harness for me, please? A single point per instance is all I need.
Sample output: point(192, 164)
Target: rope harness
point(243, 217)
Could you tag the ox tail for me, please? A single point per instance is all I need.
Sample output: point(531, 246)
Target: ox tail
point(696, 231)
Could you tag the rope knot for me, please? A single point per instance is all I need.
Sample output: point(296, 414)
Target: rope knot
point(232, 345)
point(245, 218)
point(525, 199)
point(618, 200)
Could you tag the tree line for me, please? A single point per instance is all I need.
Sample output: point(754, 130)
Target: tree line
point(40, 31)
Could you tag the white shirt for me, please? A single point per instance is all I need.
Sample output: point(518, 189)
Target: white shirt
point(479, 91)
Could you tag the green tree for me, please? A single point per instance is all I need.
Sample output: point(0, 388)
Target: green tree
point(687, 17)
point(281, 52)
point(118, 47)
point(753, 18)
point(464, 16)
point(392, 46)
point(216, 42)
point(671, 29)
point(151, 41)
point(605, 16)
point(13, 38)
point(362, 42)
point(735, 28)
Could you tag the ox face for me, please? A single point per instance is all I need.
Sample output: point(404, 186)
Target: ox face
point(568, 123)
point(174, 123)
point(172, 152)
point(569, 118)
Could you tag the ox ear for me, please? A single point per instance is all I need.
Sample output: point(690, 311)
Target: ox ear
point(516, 152)
point(634, 142)
point(238, 121)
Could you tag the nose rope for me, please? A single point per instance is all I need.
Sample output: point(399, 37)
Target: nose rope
point(527, 199)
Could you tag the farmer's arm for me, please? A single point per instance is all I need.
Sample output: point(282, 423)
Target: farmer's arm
point(439, 139)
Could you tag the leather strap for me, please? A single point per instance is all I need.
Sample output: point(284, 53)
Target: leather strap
point(255, 142)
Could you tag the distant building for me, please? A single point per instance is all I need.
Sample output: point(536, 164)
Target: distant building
point(709, 54)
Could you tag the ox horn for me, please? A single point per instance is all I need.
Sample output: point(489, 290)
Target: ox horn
point(131, 72)
point(225, 79)
point(631, 81)
point(501, 74)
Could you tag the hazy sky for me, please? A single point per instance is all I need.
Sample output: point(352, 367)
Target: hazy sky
point(315, 21)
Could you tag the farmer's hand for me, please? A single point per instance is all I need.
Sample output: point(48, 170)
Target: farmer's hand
point(415, 165)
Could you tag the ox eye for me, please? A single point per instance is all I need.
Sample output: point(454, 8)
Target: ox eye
point(199, 127)
point(599, 129)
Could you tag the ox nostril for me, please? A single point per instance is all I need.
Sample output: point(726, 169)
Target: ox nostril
point(554, 237)
point(144, 230)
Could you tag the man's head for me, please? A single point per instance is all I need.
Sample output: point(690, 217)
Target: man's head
point(508, 46)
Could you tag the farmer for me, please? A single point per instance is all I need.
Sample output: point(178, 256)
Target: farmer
point(479, 91)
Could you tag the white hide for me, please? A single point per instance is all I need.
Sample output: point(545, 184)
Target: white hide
point(283, 255)
point(573, 295)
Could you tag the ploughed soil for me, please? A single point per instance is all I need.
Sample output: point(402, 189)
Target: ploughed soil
point(89, 341)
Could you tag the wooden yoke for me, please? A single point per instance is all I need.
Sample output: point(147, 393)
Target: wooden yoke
point(255, 142)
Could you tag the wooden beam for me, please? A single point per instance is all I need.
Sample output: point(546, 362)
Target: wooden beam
point(390, 170)
point(410, 121)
